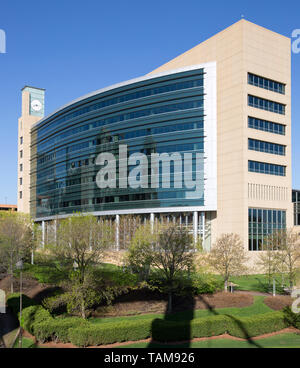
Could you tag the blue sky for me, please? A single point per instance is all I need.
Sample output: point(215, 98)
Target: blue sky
point(74, 47)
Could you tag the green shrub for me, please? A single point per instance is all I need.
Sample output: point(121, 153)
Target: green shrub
point(55, 304)
point(291, 318)
point(57, 329)
point(33, 314)
point(109, 333)
point(206, 284)
point(13, 302)
point(246, 327)
point(257, 325)
point(167, 331)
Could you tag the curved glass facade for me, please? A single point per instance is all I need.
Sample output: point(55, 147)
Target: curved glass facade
point(159, 115)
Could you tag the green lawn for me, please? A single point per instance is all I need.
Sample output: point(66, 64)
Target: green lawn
point(257, 283)
point(257, 307)
point(26, 343)
point(287, 340)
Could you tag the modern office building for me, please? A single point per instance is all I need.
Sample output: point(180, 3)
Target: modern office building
point(296, 204)
point(226, 102)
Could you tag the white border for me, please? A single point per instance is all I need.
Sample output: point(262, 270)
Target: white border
point(132, 212)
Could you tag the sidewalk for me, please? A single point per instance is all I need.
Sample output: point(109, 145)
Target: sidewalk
point(9, 328)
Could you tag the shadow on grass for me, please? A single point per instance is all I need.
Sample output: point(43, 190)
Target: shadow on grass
point(189, 316)
point(187, 334)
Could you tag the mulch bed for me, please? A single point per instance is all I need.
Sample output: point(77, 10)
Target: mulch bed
point(30, 287)
point(206, 301)
point(278, 302)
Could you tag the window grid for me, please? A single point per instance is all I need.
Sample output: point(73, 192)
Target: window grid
point(125, 98)
point(261, 103)
point(266, 168)
point(266, 83)
point(261, 223)
point(266, 126)
point(296, 202)
point(268, 147)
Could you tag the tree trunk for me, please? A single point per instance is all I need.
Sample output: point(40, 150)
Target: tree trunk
point(170, 302)
point(11, 274)
point(226, 286)
point(11, 283)
point(11, 279)
point(82, 310)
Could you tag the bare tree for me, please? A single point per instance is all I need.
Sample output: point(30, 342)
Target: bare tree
point(82, 240)
point(288, 253)
point(268, 259)
point(128, 226)
point(16, 240)
point(228, 257)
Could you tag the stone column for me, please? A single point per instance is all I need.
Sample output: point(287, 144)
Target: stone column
point(118, 232)
point(43, 233)
point(195, 226)
point(152, 221)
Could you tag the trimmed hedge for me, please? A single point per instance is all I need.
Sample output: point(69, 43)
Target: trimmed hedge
point(109, 333)
point(166, 331)
point(291, 318)
point(57, 329)
point(257, 325)
point(33, 315)
point(39, 322)
point(217, 325)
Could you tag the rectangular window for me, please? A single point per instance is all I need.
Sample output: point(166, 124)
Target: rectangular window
point(21, 140)
point(263, 104)
point(266, 83)
point(21, 167)
point(265, 223)
point(21, 195)
point(21, 154)
point(266, 168)
point(266, 126)
point(261, 146)
point(21, 181)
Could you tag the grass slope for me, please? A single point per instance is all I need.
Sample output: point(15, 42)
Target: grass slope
point(258, 307)
point(287, 340)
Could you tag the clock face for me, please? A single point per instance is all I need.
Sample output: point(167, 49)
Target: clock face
point(36, 105)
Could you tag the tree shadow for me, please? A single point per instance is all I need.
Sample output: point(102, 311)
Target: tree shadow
point(48, 292)
point(186, 334)
point(8, 323)
point(188, 317)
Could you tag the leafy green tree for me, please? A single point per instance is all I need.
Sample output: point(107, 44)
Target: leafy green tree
point(17, 240)
point(81, 241)
point(172, 255)
point(140, 254)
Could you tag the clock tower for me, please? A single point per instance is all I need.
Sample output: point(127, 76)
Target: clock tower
point(33, 108)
